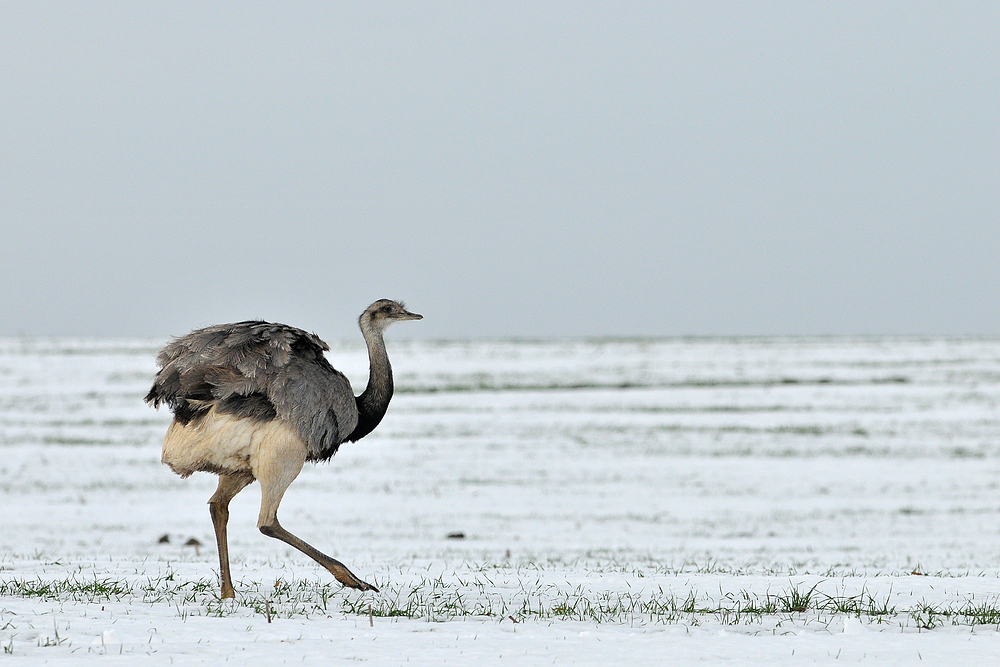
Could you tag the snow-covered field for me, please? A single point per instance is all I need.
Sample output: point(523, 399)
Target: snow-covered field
point(743, 501)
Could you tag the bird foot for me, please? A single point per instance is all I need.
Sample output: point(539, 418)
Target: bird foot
point(357, 584)
point(347, 578)
point(364, 586)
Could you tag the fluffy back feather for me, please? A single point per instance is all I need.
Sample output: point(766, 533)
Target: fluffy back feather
point(262, 371)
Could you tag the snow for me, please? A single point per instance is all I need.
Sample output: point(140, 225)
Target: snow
point(621, 500)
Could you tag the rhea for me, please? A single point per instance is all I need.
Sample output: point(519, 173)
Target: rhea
point(254, 401)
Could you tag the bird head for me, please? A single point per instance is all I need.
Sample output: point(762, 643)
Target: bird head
point(384, 312)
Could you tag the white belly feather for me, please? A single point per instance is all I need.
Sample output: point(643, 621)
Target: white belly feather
point(223, 444)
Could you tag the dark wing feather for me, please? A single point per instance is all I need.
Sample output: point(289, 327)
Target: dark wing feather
point(258, 370)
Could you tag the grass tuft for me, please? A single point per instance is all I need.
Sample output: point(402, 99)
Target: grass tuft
point(502, 591)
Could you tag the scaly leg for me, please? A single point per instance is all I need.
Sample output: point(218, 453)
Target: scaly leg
point(276, 470)
point(218, 507)
point(335, 567)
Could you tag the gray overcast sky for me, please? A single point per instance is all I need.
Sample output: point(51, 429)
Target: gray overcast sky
point(526, 169)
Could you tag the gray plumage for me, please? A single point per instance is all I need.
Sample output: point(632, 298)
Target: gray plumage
point(261, 371)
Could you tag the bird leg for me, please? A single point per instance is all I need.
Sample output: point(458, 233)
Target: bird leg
point(218, 507)
point(276, 469)
point(335, 567)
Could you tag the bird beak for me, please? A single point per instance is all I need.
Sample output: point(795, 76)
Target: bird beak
point(412, 316)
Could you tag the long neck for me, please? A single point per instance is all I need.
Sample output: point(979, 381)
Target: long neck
point(374, 400)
